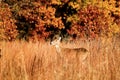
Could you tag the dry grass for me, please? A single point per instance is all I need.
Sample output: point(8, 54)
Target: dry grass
point(39, 61)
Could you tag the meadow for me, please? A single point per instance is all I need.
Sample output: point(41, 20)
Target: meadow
point(22, 60)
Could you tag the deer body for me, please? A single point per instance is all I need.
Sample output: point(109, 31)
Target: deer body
point(60, 50)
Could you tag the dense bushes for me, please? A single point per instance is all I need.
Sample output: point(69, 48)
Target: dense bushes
point(42, 19)
point(92, 22)
point(8, 29)
point(36, 21)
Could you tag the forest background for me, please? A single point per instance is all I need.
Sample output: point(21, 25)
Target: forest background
point(43, 19)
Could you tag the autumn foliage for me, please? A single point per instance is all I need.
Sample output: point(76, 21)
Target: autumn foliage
point(8, 29)
point(92, 22)
point(43, 19)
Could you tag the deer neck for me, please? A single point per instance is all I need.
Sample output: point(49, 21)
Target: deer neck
point(58, 48)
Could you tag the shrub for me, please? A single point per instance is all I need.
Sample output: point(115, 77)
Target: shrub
point(7, 23)
point(92, 22)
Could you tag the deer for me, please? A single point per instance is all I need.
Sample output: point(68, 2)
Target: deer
point(61, 50)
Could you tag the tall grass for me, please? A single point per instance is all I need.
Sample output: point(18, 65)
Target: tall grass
point(39, 61)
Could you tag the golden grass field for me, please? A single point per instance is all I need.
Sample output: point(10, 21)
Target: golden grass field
point(39, 61)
